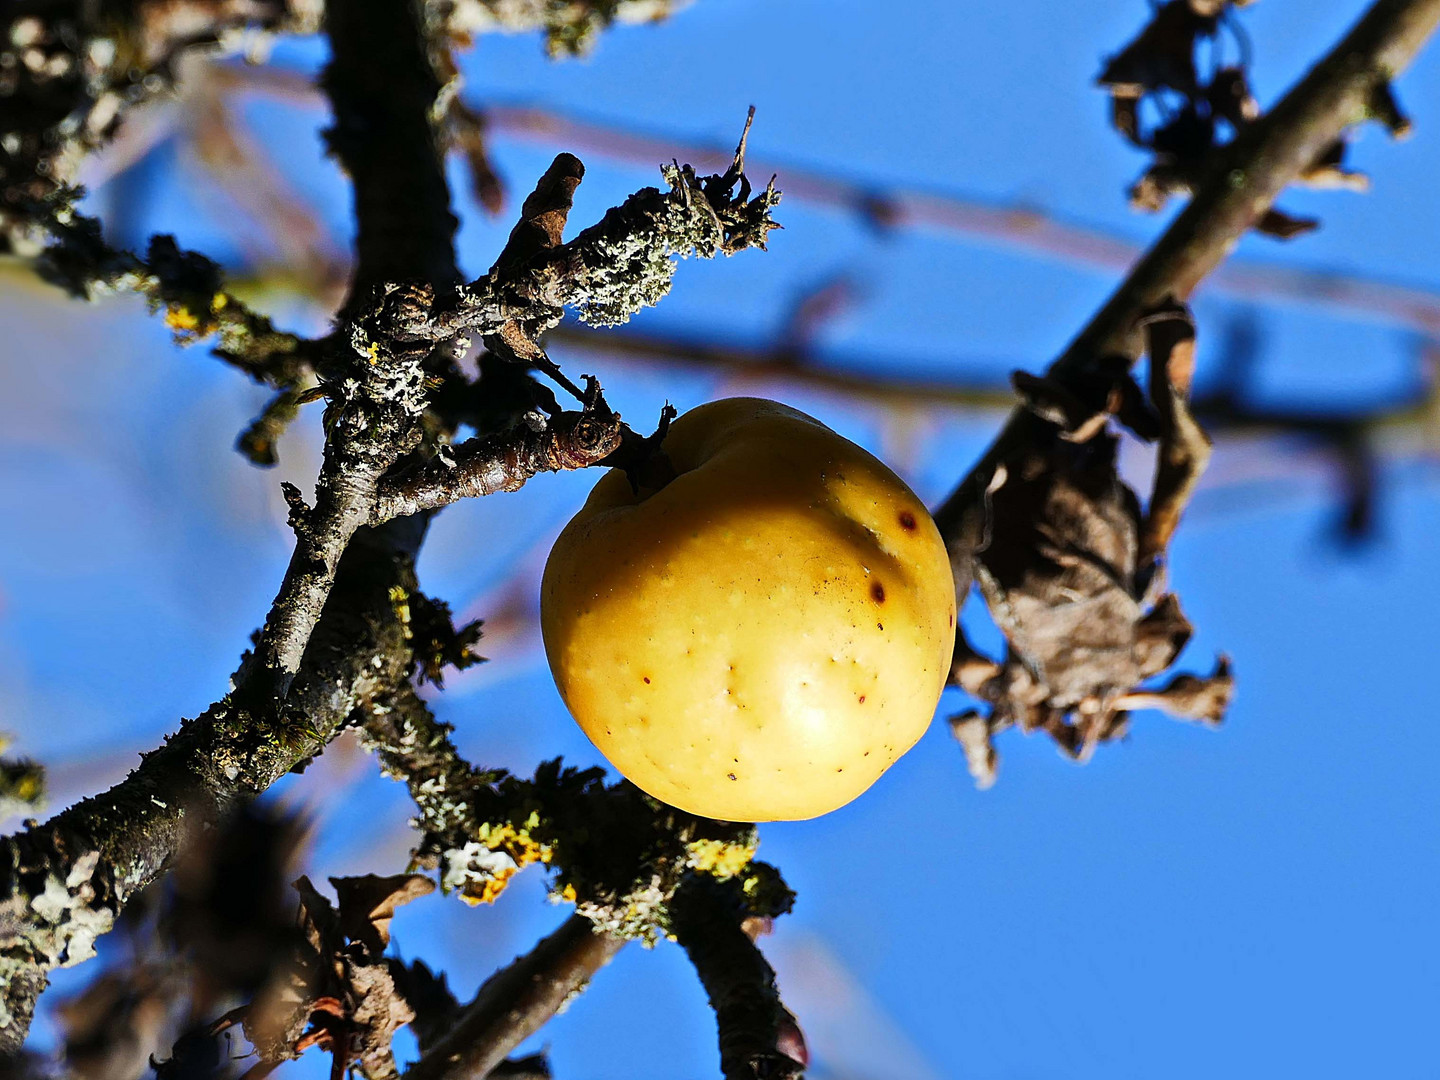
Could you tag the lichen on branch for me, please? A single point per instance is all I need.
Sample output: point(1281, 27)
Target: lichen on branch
point(622, 263)
point(615, 853)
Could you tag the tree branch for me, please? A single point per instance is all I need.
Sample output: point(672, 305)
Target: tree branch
point(504, 462)
point(1266, 158)
point(516, 1001)
point(759, 1038)
point(63, 883)
point(1251, 172)
point(383, 88)
point(619, 265)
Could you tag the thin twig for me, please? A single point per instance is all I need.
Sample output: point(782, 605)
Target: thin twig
point(504, 462)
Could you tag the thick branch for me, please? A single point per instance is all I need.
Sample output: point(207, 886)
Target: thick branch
point(1268, 156)
point(383, 89)
point(516, 1001)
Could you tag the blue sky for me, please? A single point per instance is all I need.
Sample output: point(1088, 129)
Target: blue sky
point(1256, 901)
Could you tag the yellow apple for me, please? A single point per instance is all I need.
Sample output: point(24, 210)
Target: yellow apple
point(765, 634)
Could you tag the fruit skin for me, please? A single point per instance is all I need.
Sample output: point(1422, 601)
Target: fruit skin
point(763, 636)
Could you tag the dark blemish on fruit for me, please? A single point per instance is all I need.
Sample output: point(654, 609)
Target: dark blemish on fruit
point(952, 618)
point(879, 626)
point(867, 753)
point(907, 520)
point(840, 769)
point(877, 592)
point(731, 775)
point(647, 680)
point(862, 699)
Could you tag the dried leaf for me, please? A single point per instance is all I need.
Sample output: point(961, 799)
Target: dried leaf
point(341, 995)
point(1070, 562)
point(972, 731)
point(1192, 697)
point(368, 903)
point(1162, 55)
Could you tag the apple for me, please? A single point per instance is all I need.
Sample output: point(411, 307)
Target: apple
point(762, 636)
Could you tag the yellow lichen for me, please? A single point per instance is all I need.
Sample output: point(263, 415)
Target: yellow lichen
point(181, 318)
point(720, 858)
point(400, 604)
point(519, 845)
point(489, 890)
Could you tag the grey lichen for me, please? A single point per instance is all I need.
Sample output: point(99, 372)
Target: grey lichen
point(47, 921)
point(629, 268)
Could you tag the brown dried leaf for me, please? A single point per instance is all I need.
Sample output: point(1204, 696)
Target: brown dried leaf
point(1190, 697)
point(368, 903)
point(1069, 564)
point(972, 732)
point(1162, 55)
point(342, 994)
